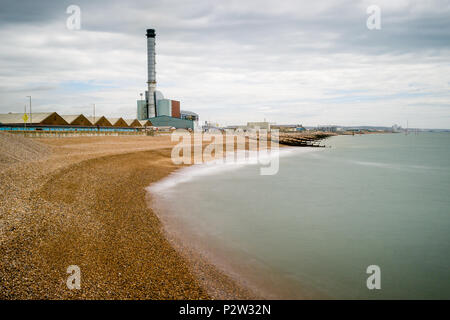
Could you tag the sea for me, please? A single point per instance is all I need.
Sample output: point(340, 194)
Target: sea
point(319, 227)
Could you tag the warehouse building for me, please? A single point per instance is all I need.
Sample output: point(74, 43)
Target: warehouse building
point(145, 123)
point(100, 121)
point(52, 121)
point(133, 123)
point(77, 120)
point(117, 122)
point(51, 118)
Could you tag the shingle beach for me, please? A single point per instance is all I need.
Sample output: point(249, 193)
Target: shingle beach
point(82, 201)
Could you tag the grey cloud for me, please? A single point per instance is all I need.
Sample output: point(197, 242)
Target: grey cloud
point(28, 89)
point(30, 12)
point(218, 56)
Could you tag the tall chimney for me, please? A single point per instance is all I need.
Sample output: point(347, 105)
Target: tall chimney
point(151, 106)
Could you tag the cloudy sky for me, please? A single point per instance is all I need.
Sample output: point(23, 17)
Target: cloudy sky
point(309, 62)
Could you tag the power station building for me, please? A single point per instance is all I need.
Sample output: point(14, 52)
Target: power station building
point(152, 111)
point(155, 108)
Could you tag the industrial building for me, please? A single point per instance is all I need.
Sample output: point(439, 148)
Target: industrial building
point(288, 127)
point(153, 111)
point(189, 115)
point(145, 123)
point(51, 118)
point(133, 123)
point(327, 128)
point(54, 122)
point(157, 109)
point(166, 121)
point(259, 125)
point(117, 122)
point(100, 121)
point(77, 120)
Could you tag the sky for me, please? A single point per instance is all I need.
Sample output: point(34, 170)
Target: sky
point(287, 62)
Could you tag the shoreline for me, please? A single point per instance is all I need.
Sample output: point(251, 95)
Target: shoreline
point(218, 284)
point(254, 279)
point(86, 204)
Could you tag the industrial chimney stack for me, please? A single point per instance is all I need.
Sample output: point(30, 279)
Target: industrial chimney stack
point(151, 105)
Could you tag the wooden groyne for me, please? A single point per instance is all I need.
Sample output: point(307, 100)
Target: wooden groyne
point(304, 139)
point(300, 139)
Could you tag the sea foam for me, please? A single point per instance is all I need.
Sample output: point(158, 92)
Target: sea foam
point(241, 158)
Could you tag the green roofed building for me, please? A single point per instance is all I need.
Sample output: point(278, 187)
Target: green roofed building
point(166, 121)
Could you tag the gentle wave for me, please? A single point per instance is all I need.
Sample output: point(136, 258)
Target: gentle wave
point(393, 165)
point(243, 158)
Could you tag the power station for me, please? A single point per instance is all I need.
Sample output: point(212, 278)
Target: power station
point(155, 108)
point(154, 112)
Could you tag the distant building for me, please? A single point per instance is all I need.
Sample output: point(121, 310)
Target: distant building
point(38, 118)
point(396, 128)
point(100, 121)
point(142, 110)
point(189, 115)
point(327, 128)
point(211, 127)
point(211, 124)
point(118, 122)
point(167, 121)
point(77, 120)
point(52, 121)
point(133, 123)
point(145, 123)
point(287, 127)
point(235, 128)
point(258, 125)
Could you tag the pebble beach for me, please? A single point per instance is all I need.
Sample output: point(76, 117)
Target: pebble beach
point(82, 201)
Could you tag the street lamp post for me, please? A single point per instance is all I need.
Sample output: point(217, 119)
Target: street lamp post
point(31, 113)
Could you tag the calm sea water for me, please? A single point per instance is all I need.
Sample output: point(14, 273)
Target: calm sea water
point(330, 213)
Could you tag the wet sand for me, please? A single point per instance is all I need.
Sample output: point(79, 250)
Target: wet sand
point(85, 204)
